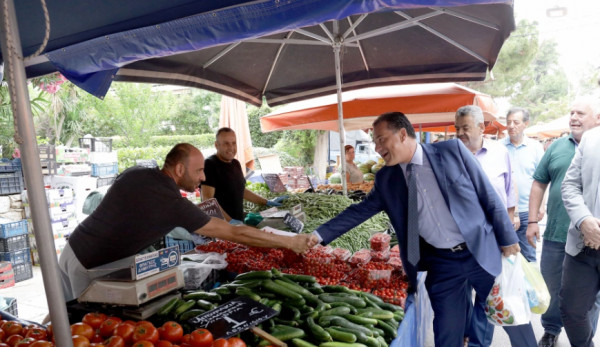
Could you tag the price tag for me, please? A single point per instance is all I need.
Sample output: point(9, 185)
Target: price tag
point(212, 208)
point(293, 223)
point(274, 182)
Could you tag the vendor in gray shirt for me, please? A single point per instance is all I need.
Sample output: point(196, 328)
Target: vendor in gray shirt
point(353, 174)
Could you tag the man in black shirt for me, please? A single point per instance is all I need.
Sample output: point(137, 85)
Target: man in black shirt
point(225, 180)
point(142, 206)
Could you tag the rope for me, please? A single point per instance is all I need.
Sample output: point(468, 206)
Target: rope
point(12, 51)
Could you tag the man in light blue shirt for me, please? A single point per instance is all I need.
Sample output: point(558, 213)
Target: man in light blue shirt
point(525, 155)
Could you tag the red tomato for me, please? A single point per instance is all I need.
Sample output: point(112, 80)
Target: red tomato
point(97, 338)
point(12, 328)
point(143, 343)
point(37, 333)
point(82, 329)
point(97, 344)
point(2, 335)
point(220, 343)
point(115, 341)
point(201, 338)
point(125, 330)
point(41, 343)
point(171, 331)
point(108, 326)
point(80, 341)
point(2, 344)
point(145, 332)
point(186, 341)
point(26, 342)
point(12, 340)
point(143, 322)
point(236, 342)
point(49, 330)
point(163, 343)
point(94, 319)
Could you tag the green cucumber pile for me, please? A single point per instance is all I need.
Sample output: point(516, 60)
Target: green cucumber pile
point(309, 314)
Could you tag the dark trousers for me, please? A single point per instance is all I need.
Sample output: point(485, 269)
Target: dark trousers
point(579, 287)
point(449, 274)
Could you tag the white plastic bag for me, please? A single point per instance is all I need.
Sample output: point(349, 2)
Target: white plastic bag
point(537, 291)
point(507, 303)
point(197, 268)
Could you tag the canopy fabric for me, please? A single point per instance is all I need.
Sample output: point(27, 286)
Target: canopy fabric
point(426, 105)
point(554, 128)
point(157, 43)
point(233, 115)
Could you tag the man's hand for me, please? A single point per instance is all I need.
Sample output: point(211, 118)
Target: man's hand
point(590, 230)
point(516, 222)
point(541, 214)
point(303, 242)
point(510, 250)
point(533, 234)
point(276, 201)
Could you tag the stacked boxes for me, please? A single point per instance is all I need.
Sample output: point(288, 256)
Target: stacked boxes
point(15, 251)
point(104, 166)
point(73, 161)
point(294, 177)
point(11, 177)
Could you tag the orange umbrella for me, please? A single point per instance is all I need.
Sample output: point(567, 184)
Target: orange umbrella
point(233, 115)
point(426, 105)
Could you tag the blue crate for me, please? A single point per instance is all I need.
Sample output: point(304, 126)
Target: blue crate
point(11, 182)
point(99, 170)
point(184, 245)
point(23, 271)
point(13, 229)
point(21, 256)
point(7, 165)
point(14, 243)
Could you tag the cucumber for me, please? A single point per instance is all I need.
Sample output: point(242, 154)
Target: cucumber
point(390, 307)
point(286, 322)
point(370, 296)
point(341, 344)
point(360, 320)
point(276, 273)
point(279, 290)
point(317, 331)
point(377, 313)
point(371, 342)
point(336, 289)
point(187, 315)
point(286, 334)
point(382, 341)
point(360, 336)
point(371, 303)
point(343, 322)
point(315, 290)
point(326, 320)
point(339, 335)
point(168, 307)
point(255, 275)
point(390, 332)
point(301, 278)
point(289, 312)
point(392, 322)
point(222, 290)
point(308, 296)
point(301, 343)
point(339, 303)
point(186, 306)
point(336, 311)
point(247, 292)
point(205, 305)
point(209, 296)
point(352, 300)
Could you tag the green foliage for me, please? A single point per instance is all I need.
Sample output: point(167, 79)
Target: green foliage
point(260, 139)
point(284, 158)
point(299, 144)
point(128, 156)
point(200, 141)
point(196, 112)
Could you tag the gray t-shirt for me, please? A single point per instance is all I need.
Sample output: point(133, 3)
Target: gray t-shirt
point(140, 207)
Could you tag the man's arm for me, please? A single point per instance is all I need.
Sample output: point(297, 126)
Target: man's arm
point(536, 196)
point(253, 197)
point(208, 192)
point(250, 236)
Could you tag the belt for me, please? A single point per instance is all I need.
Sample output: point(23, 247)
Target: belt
point(458, 248)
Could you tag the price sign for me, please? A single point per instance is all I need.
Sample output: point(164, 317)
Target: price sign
point(274, 183)
point(293, 223)
point(212, 208)
point(233, 317)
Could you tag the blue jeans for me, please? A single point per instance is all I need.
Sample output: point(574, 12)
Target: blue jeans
point(526, 249)
point(551, 266)
point(578, 294)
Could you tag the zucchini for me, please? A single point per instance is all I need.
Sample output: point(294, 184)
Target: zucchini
point(317, 331)
point(186, 306)
point(279, 290)
point(339, 335)
point(286, 334)
point(168, 307)
point(336, 311)
point(187, 315)
point(209, 296)
point(301, 278)
point(255, 275)
point(301, 343)
point(360, 320)
point(205, 305)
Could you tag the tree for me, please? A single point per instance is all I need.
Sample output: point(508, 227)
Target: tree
point(196, 112)
point(260, 139)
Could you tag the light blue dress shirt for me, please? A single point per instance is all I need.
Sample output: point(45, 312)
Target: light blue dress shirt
point(524, 159)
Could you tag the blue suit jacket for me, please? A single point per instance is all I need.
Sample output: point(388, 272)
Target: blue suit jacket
point(474, 204)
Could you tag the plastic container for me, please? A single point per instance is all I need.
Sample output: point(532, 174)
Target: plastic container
point(96, 144)
point(101, 170)
point(11, 182)
point(13, 228)
point(380, 241)
point(17, 257)
point(380, 255)
point(341, 253)
point(14, 243)
point(362, 256)
point(9, 305)
point(184, 245)
point(10, 165)
point(23, 271)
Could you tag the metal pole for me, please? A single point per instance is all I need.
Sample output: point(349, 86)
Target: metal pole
point(338, 80)
point(25, 137)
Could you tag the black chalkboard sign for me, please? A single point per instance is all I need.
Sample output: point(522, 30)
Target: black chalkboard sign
point(274, 182)
point(233, 317)
point(212, 208)
point(293, 223)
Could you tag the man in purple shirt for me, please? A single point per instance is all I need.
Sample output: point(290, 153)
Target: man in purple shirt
point(495, 162)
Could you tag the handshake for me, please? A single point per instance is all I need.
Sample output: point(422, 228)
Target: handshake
point(303, 242)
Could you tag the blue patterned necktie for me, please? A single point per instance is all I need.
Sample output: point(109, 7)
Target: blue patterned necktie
point(412, 244)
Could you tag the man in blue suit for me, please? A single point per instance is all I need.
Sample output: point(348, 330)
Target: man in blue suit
point(453, 225)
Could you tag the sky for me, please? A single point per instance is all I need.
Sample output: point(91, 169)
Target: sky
point(577, 33)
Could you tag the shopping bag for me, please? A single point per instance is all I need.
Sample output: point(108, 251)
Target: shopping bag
point(537, 291)
point(197, 268)
point(507, 303)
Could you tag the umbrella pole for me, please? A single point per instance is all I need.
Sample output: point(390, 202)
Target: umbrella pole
point(338, 81)
point(25, 137)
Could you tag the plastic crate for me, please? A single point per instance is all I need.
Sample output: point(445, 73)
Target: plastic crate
point(105, 181)
point(11, 182)
point(14, 243)
point(9, 305)
point(7, 165)
point(96, 144)
point(17, 257)
point(184, 245)
point(100, 170)
point(13, 229)
point(23, 271)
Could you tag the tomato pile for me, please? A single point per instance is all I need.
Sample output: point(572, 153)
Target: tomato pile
point(100, 330)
